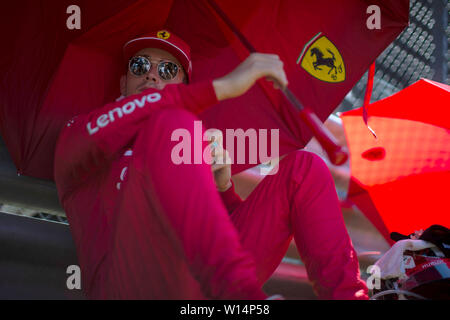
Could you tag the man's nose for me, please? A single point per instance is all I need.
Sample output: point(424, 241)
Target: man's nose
point(153, 76)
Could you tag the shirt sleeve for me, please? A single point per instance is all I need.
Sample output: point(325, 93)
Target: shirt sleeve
point(90, 141)
point(231, 199)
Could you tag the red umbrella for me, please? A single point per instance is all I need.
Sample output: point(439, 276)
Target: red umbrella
point(326, 48)
point(401, 179)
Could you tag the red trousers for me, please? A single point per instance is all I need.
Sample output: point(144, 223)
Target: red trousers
point(172, 237)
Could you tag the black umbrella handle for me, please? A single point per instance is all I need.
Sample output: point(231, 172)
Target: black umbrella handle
point(337, 154)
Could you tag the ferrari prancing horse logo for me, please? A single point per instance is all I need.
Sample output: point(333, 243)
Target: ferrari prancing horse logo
point(321, 59)
point(163, 34)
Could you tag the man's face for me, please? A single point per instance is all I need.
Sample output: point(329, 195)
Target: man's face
point(131, 84)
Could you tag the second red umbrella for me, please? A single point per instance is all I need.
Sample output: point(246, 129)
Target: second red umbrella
point(400, 180)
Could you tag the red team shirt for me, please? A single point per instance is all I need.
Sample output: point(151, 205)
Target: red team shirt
point(92, 156)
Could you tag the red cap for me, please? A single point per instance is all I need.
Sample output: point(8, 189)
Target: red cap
point(164, 40)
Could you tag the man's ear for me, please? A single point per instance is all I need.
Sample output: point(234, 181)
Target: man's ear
point(123, 85)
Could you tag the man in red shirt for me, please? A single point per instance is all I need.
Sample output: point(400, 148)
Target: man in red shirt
point(146, 228)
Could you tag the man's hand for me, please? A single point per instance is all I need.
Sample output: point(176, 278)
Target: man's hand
point(241, 79)
point(221, 165)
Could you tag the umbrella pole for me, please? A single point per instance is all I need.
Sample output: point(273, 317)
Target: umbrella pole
point(336, 153)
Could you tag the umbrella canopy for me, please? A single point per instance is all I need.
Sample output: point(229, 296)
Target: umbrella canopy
point(326, 48)
point(400, 179)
